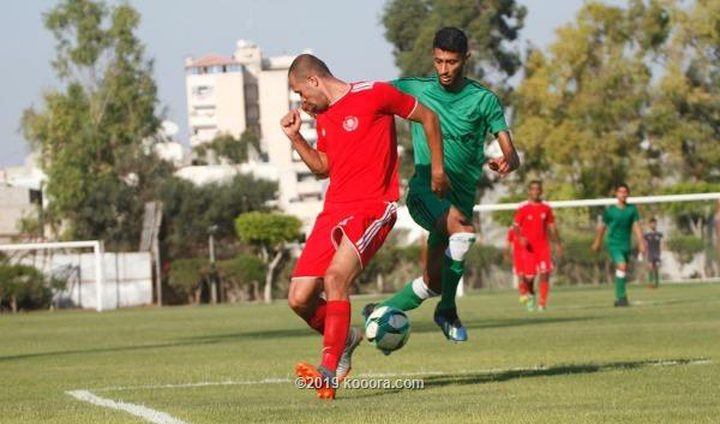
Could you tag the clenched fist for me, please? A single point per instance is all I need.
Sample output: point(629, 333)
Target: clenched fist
point(290, 124)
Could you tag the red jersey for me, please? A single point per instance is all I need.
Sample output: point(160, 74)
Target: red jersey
point(533, 219)
point(357, 133)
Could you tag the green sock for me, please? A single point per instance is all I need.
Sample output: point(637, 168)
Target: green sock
point(412, 295)
point(452, 272)
point(657, 278)
point(620, 287)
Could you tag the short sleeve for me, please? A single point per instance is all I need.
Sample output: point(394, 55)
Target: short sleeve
point(511, 235)
point(393, 101)
point(636, 215)
point(519, 215)
point(403, 84)
point(494, 114)
point(606, 216)
point(550, 216)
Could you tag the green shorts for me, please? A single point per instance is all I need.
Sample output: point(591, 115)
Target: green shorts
point(426, 208)
point(619, 254)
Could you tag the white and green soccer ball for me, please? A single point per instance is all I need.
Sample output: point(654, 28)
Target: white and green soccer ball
point(387, 328)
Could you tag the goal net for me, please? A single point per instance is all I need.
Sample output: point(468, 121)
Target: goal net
point(75, 270)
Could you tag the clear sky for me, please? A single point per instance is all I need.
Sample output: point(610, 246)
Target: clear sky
point(345, 33)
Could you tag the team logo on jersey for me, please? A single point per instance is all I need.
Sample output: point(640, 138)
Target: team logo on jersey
point(350, 123)
point(542, 216)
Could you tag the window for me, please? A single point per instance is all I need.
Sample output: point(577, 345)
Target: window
point(202, 91)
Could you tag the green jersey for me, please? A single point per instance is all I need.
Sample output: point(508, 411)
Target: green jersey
point(619, 223)
point(466, 117)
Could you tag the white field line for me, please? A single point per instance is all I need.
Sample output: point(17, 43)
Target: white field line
point(148, 414)
point(280, 380)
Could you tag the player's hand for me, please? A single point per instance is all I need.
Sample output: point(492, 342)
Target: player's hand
point(642, 248)
point(290, 124)
point(595, 246)
point(440, 184)
point(499, 165)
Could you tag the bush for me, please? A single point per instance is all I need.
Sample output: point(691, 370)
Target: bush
point(23, 287)
point(186, 277)
point(580, 264)
point(685, 247)
point(241, 277)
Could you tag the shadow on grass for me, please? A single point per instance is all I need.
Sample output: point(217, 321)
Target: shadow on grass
point(191, 341)
point(423, 327)
point(484, 377)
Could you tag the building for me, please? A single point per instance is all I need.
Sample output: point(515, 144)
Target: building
point(246, 91)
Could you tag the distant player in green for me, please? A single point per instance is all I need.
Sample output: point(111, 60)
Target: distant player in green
point(468, 112)
point(620, 221)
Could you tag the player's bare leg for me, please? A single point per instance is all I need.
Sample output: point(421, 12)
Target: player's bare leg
point(344, 267)
point(544, 289)
point(304, 299)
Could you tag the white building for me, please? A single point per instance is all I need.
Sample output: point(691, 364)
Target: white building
point(229, 94)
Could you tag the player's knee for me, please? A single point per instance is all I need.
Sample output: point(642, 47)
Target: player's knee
point(459, 245)
point(335, 287)
point(298, 302)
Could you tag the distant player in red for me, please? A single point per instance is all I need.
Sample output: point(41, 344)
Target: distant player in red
point(533, 222)
point(512, 253)
point(357, 151)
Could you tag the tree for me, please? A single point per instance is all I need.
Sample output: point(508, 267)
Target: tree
point(686, 111)
point(190, 210)
point(93, 135)
point(582, 109)
point(270, 233)
point(492, 27)
point(233, 150)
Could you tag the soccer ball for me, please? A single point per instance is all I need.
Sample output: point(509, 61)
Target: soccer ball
point(387, 328)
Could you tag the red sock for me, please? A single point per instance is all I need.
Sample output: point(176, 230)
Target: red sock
point(544, 289)
point(317, 320)
point(337, 326)
point(523, 287)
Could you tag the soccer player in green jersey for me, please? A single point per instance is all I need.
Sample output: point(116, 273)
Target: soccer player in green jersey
point(468, 112)
point(620, 221)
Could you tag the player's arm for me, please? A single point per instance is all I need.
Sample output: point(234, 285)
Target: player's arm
point(431, 124)
point(555, 236)
point(637, 229)
point(510, 161)
point(315, 160)
point(599, 237)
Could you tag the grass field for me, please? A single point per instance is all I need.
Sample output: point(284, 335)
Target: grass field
point(582, 361)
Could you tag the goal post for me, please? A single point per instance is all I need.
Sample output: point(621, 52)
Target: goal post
point(98, 250)
point(638, 200)
point(689, 250)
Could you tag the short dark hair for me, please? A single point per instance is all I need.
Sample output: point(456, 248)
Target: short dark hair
point(451, 39)
point(538, 182)
point(653, 219)
point(306, 65)
point(622, 185)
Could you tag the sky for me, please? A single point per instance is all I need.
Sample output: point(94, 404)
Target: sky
point(347, 34)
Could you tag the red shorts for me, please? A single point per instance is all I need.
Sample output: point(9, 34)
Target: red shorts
point(366, 226)
point(533, 259)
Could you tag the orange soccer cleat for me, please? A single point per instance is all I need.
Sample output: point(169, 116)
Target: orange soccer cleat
point(322, 380)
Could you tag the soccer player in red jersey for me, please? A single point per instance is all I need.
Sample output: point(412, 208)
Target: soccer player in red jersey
point(357, 151)
point(533, 222)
